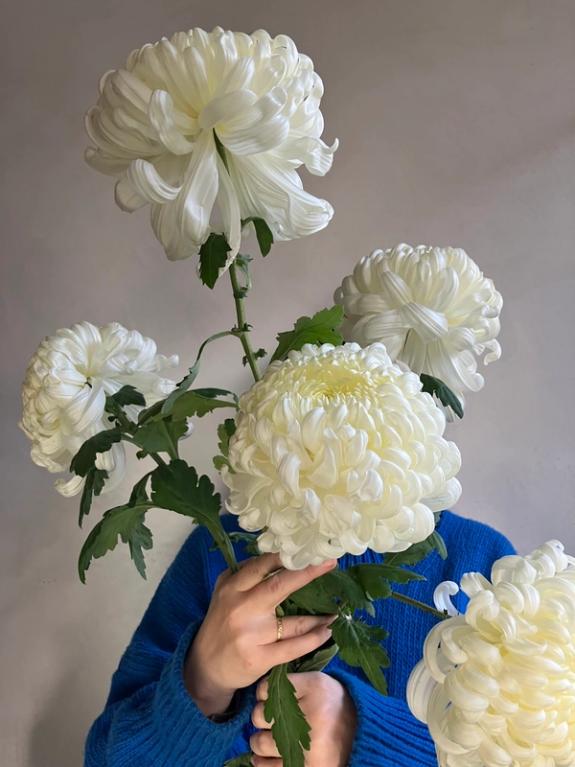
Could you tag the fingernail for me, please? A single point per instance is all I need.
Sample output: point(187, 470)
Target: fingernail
point(329, 619)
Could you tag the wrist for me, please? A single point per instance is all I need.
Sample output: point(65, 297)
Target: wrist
point(210, 698)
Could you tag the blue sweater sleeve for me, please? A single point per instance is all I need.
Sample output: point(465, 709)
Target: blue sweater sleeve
point(150, 719)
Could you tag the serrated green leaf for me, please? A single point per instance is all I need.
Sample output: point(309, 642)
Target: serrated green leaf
point(263, 233)
point(128, 395)
point(213, 258)
point(444, 394)
point(85, 458)
point(290, 730)
point(176, 486)
point(225, 431)
point(375, 578)
point(161, 436)
point(93, 485)
point(122, 522)
point(322, 328)
point(418, 551)
point(360, 645)
point(324, 595)
point(195, 403)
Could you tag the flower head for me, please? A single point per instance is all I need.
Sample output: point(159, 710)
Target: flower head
point(496, 686)
point(431, 307)
point(213, 118)
point(65, 388)
point(336, 450)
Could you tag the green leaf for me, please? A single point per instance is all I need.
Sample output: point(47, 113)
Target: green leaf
point(183, 385)
point(151, 412)
point(418, 551)
point(290, 729)
point(195, 403)
point(219, 462)
point(326, 594)
point(244, 760)
point(122, 522)
point(375, 578)
point(444, 394)
point(213, 258)
point(176, 486)
point(360, 645)
point(263, 233)
point(437, 542)
point(128, 395)
point(317, 660)
point(93, 485)
point(161, 436)
point(322, 328)
point(225, 431)
point(85, 458)
point(139, 492)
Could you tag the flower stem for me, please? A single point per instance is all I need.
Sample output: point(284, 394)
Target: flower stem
point(419, 605)
point(224, 543)
point(243, 330)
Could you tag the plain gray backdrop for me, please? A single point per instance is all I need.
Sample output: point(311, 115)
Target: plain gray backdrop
point(456, 120)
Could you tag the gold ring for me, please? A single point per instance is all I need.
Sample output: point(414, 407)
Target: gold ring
point(280, 627)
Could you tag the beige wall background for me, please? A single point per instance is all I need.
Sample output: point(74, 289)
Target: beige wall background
point(457, 124)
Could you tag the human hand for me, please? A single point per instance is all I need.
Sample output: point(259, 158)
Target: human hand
point(328, 709)
point(237, 642)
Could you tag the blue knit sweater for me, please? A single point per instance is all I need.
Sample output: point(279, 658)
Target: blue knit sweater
point(150, 720)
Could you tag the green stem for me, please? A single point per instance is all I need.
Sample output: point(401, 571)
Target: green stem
point(209, 340)
point(419, 605)
point(242, 329)
point(224, 544)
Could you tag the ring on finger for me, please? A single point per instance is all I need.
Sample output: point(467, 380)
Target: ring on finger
point(280, 627)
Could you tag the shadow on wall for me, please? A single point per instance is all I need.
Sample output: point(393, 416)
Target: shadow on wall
point(57, 736)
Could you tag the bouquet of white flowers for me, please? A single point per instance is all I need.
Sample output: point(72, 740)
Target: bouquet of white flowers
point(339, 445)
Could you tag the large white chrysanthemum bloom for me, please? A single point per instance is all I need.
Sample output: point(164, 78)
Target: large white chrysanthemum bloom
point(496, 686)
point(155, 126)
point(336, 450)
point(431, 307)
point(64, 393)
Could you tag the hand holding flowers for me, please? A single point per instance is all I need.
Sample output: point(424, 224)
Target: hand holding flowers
point(328, 708)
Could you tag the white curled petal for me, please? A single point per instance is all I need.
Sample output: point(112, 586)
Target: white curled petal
point(164, 119)
point(442, 597)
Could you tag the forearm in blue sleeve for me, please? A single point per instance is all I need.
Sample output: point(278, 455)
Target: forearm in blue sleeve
point(150, 720)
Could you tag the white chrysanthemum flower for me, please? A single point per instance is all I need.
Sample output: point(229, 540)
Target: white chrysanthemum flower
point(64, 393)
point(338, 450)
point(496, 686)
point(431, 307)
point(155, 126)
